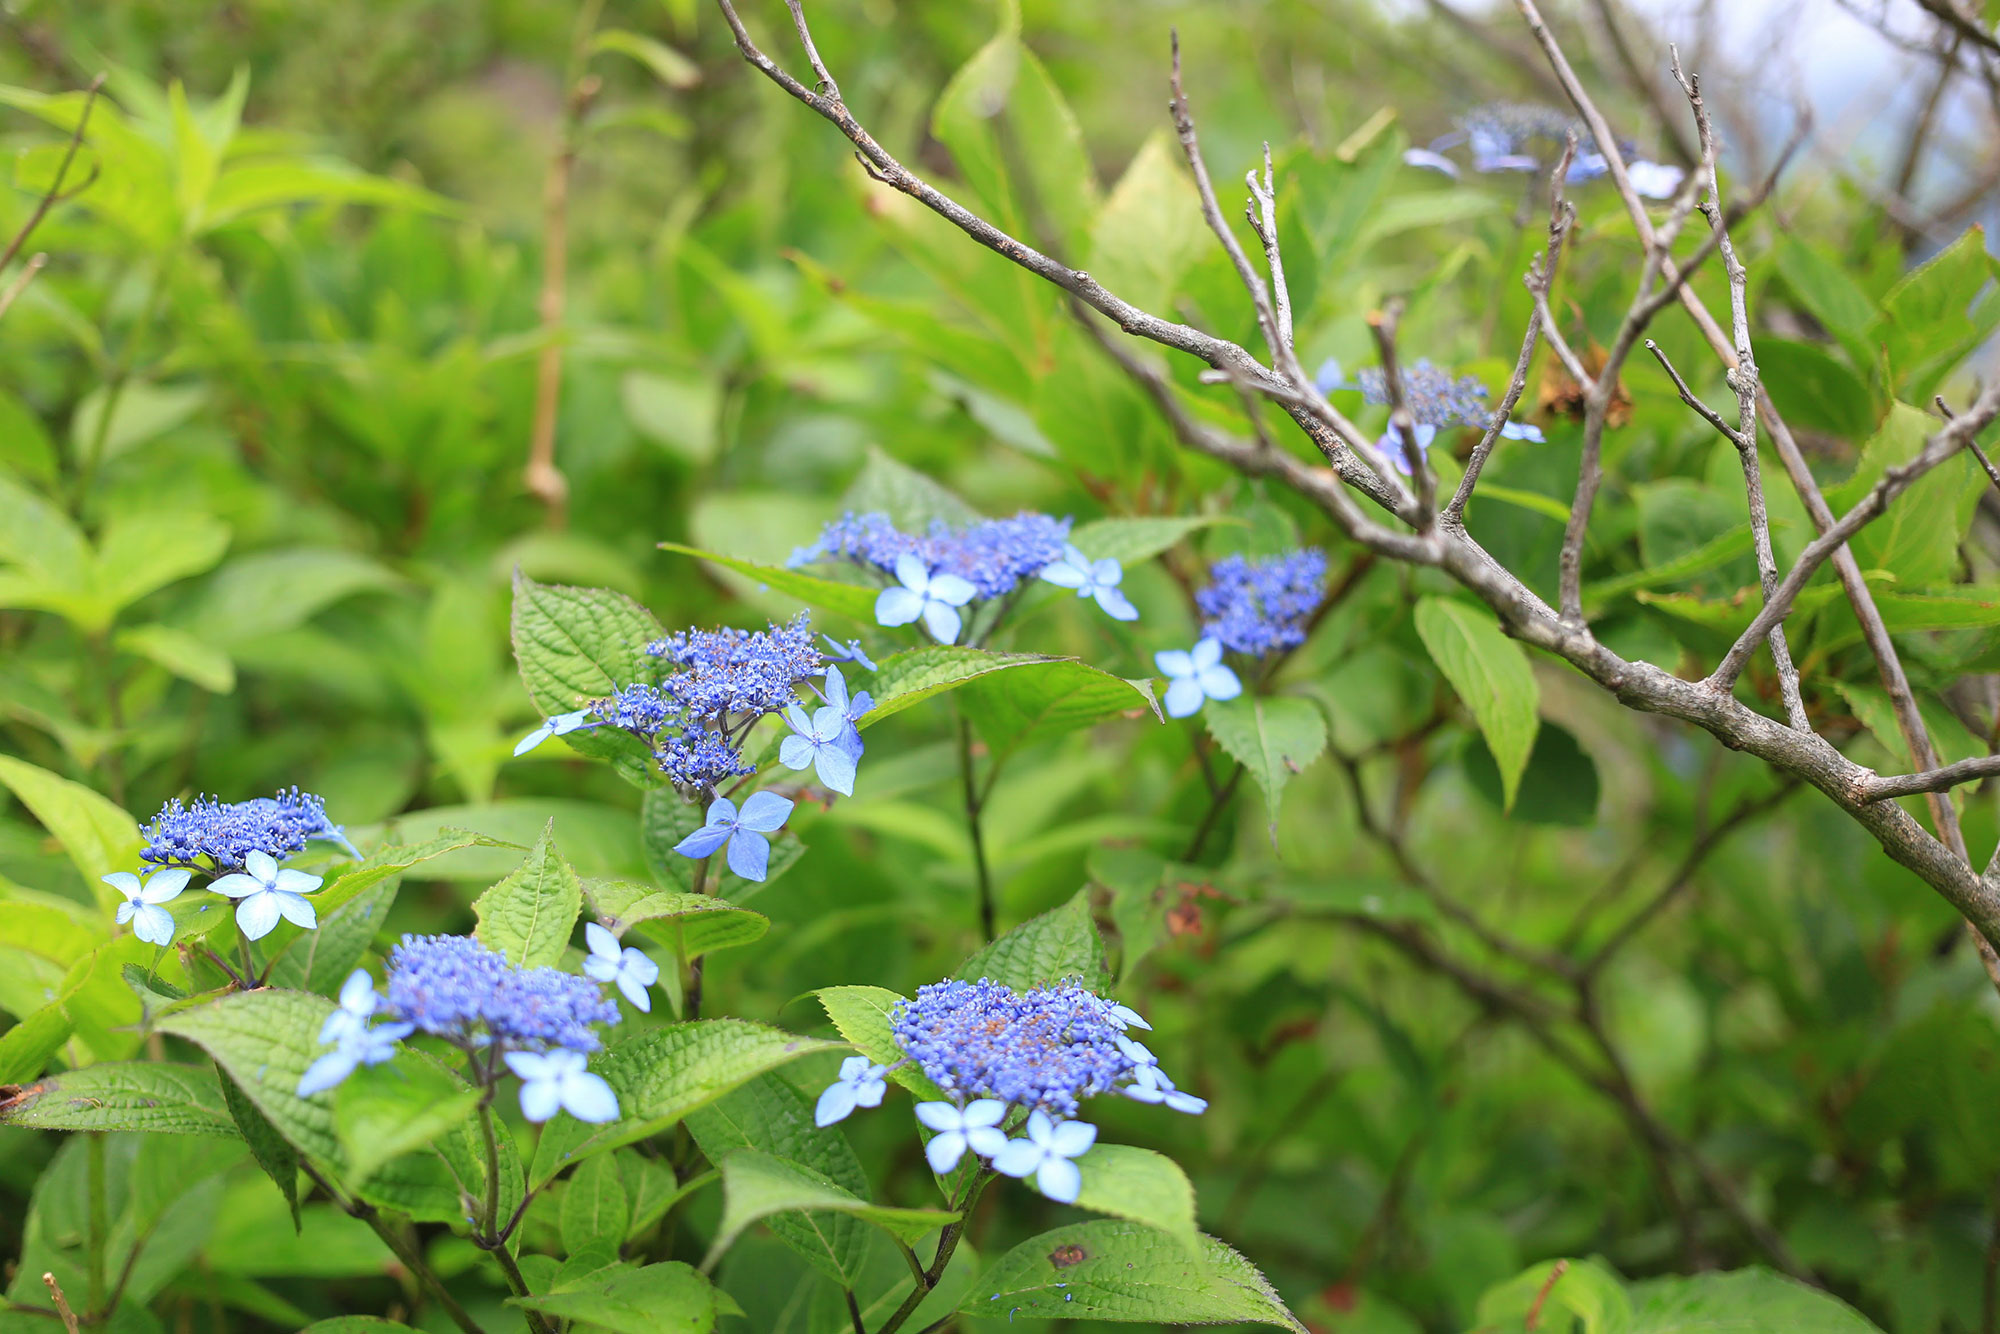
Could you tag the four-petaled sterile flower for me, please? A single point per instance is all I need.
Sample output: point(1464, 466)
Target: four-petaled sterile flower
point(150, 922)
point(819, 743)
point(631, 970)
point(1046, 1154)
point(976, 1126)
point(1150, 1083)
point(353, 1047)
point(264, 893)
point(851, 651)
point(1092, 579)
point(553, 1081)
point(853, 708)
point(358, 1002)
point(860, 1085)
point(749, 854)
point(562, 724)
point(1195, 676)
point(934, 596)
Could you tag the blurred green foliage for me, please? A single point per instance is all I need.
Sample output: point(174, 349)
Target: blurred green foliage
point(263, 421)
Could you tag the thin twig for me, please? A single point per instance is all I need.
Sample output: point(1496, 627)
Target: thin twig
point(67, 1316)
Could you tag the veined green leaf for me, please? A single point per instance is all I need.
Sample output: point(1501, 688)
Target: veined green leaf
point(1273, 737)
point(667, 1298)
point(1491, 674)
point(1060, 944)
point(694, 924)
point(756, 1185)
point(531, 915)
point(1140, 1186)
point(852, 600)
point(158, 1096)
point(862, 1016)
point(98, 836)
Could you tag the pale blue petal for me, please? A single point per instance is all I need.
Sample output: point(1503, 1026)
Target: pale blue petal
point(942, 622)
point(1018, 1157)
point(294, 909)
point(600, 969)
point(326, 1072)
point(986, 1140)
point(1072, 1139)
point(1423, 157)
point(588, 1098)
point(911, 573)
point(1174, 662)
point(602, 943)
point(985, 1112)
point(1060, 1180)
point(836, 769)
point(1107, 572)
point(1220, 683)
point(238, 885)
point(1329, 376)
point(1040, 1127)
point(289, 881)
point(153, 924)
point(258, 914)
point(262, 866)
point(835, 1104)
point(1063, 575)
point(796, 752)
point(533, 739)
point(951, 589)
point(796, 718)
point(898, 606)
point(530, 1065)
point(1186, 1102)
point(635, 991)
point(749, 855)
point(704, 841)
point(540, 1099)
point(124, 882)
point(166, 886)
point(765, 812)
point(1183, 697)
point(944, 1151)
point(1207, 652)
point(1116, 605)
point(1522, 431)
point(939, 1116)
point(640, 968)
point(125, 911)
point(357, 994)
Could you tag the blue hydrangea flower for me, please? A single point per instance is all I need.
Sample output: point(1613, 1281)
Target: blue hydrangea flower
point(556, 1081)
point(993, 555)
point(850, 651)
point(730, 671)
point(933, 596)
point(628, 968)
point(561, 724)
point(976, 1126)
point(1047, 1047)
point(1511, 136)
point(1046, 1154)
point(1194, 675)
point(150, 922)
point(639, 709)
point(860, 1085)
point(358, 1003)
point(1092, 579)
point(1150, 1083)
point(226, 833)
point(455, 988)
point(698, 759)
point(819, 743)
point(853, 708)
point(1436, 400)
point(1262, 607)
point(749, 854)
point(352, 1049)
point(265, 892)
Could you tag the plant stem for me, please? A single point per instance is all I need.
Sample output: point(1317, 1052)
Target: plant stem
point(1216, 806)
point(400, 1247)
point(947, 1243)
point(488, 1237)
point(691, 993)
point(973, 804)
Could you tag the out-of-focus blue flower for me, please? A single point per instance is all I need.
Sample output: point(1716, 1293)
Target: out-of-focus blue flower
point(352, 1049)
point(265, 892)
point(1436, 400)
point(851, 651)
point(730, 671)
point(1654, 180)
point(1194, 675)
point(561, 724)
point(627, 967)
point(358, 1003)
point(1514, 136)
point(975, 1126)
point(455, 988)
point(860, 1085)
point(934, 596)
point(1046, 1154)
point(1263, 606)
point(820, 743)
point(557, 1081)
point(226, 833)
point(749, 855)
point(993, 555)
point(853, 708)
point(1097, 579)
point(150, 922)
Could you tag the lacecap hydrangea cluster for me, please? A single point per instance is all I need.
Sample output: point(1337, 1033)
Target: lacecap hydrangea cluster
point(1260, 607)
point(239, 846)
point(934, 575)
point(997, 1052)
point(539, 1023)
point(1520, 136)
point(1437, 400)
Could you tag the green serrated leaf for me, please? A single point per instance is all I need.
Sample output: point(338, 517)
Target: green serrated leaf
point(278, 1159)
point(663, 1074)
point(531, 915)
point(1127, 1273)
point(596, 1211)
point(1491, 674)
point(578, 644)
point(158, 1096)
point(756, 1185)
point(862, 1016)
point(694, 924)
point(27, 1047)
point(1272, 737)
point(668, 1298)
point(98, 836)
point(1061, 943)
point(1140, 1186)
point(1048, 698)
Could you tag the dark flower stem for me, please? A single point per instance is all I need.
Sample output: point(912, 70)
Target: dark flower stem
point(1218, 802)
point(948, 1241)
point(488, 1237)
point(973, 805)
point(691, 992)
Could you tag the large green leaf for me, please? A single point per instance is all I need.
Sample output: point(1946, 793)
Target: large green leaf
point(1142, 1187)
point(1150, 229)
point(1132, 540)
point(574, 645)
point(668, 1298)
point(158, 1096)
point(1060, 944)
point(694, 924)
point(273, 1153)
point(27, 1047)
point(663, 1074)
point(855, 601)
point(1917, 539)
point(98, 836)
point(1272, 737)
point(1127, 1273)
point(1746, 1301)
point(768, 1116)
point(756, 1185)
point(596, 1208)
point(531, 915)
point(1048, 697)
point(1491, 674)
